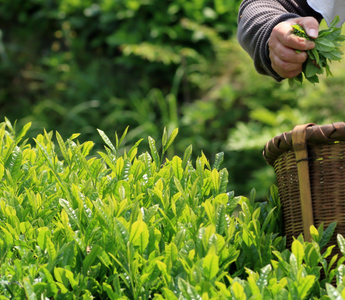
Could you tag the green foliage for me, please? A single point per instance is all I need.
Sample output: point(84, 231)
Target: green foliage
point(75, 66)
point(97, 59)
point(121, 226)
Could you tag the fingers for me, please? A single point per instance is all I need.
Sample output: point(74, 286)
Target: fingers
point(310, 25)
point(285, 69)
point(283, 43)
point(282, 34)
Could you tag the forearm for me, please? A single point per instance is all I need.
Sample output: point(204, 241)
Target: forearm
point(256, 20)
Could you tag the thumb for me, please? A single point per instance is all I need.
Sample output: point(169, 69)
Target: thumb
point(310, 25)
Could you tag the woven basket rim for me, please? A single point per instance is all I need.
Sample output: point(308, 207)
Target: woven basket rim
point(315, 134)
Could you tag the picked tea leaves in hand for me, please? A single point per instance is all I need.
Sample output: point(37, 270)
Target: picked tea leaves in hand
point(327, 49)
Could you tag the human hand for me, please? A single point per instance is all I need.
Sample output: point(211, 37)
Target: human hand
point(283, 43)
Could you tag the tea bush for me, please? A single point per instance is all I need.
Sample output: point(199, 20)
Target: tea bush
point(124, 225)
point(82, 65)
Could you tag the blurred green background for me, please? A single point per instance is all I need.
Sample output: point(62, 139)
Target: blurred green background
point(78, 65)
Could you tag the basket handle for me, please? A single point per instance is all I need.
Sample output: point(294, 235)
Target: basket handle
point(301, 152)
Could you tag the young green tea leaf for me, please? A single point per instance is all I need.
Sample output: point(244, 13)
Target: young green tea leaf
point(118, 143)
point(238, 291)
point(14, 161)
point(177, 167)
point(333, 293)
point(107, 141)
point(169, 294)
point(90, 258)
point(154, 152)
point(164, 137)
point(218, 161)
point(170, 139)
point(211, 266)
point(341, 244)
point(29, 290)
point(189, 292)
point(52, 288)
point(304, 286)
point(263, 279)
point(186, 156)
point(110, 293)
point(298, 251)
point(22, 133)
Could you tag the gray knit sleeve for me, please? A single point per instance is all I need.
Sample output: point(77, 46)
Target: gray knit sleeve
point(256, 20)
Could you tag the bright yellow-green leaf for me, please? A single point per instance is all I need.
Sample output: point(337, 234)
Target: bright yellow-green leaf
point(177, 167)
point(238, 291)
point(304, 286)
point(1, 171)
point(43, 233)
point(314, 233)
point(143, 239)
point(136, 230)
point(298, 251)
point(215, 179)
point(210, 265)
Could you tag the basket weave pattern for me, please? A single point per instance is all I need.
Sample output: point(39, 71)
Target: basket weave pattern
point(287, 178)
point(326, 157)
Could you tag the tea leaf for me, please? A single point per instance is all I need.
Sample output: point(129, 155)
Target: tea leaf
point(62, 146)
point(29, 290)
point(311, 69)
point(333, 293)
point(118, 143)
point(211, 266)
point(133, 149)
point(324, 45)
point(23, 132)
point(335, 21)
point(298, 251)
point(218, 161)
point(107, 141)
point(169, 294)
point(304, 286)
point(188, 291)
point(327, 234)
point(186, 156)
point(65, 254)
point(164, 137)
point(90, 258)
point(170, 139)
point(341, 244)
point(52, 288)
point(136, 230)
point(108, 289)
point(154, 152)
point(177, 167)
point(238, 291)
point(14, 161)
point(263, 280)
point(143, 239)
point(220, 219)
point(223, 178)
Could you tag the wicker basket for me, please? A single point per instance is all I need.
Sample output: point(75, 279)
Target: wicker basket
point(309, 162)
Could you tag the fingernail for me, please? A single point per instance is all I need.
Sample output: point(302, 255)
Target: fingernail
point(312, 33)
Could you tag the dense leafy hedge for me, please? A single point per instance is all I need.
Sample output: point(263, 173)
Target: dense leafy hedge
point(142, 226)
point(74, 66)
